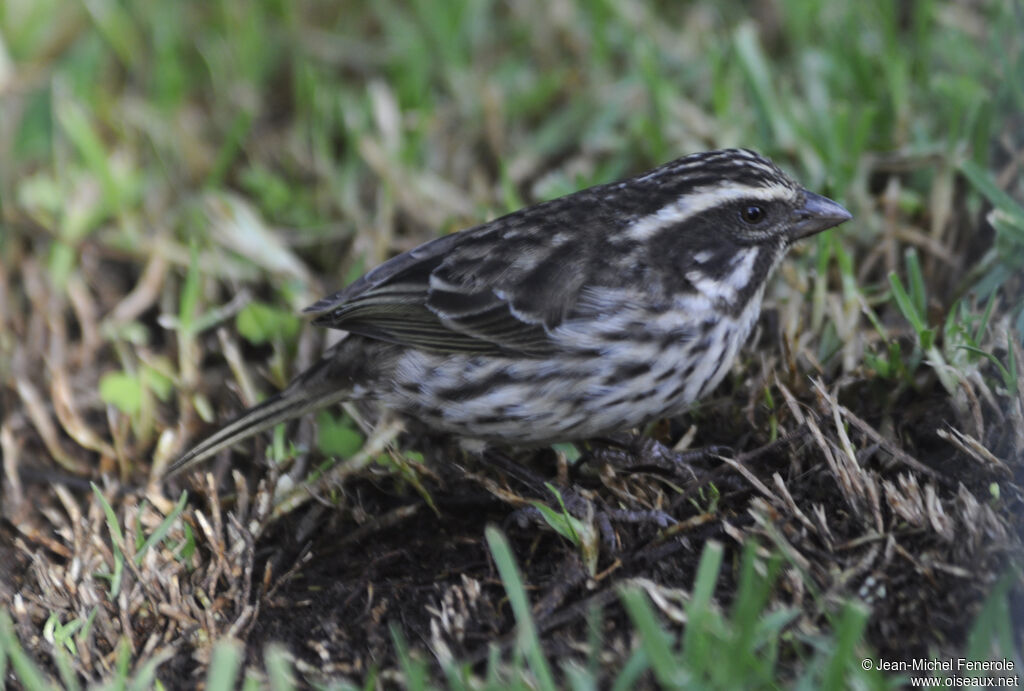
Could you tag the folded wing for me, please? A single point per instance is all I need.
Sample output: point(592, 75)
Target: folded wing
point(489, 290)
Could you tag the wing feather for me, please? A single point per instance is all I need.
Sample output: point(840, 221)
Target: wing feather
point(489, 290)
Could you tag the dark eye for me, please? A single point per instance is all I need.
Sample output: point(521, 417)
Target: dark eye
point(752, 213)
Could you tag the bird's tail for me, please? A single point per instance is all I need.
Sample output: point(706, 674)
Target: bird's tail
point(311, 391)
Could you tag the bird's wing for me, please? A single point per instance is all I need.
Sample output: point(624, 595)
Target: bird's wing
point(489, 290)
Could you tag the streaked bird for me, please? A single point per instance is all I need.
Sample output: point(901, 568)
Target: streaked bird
point(575, 318)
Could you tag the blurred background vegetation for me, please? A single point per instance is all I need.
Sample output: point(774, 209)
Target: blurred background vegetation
point(167, 168)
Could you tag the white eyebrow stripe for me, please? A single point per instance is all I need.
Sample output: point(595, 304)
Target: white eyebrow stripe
point(698, 201)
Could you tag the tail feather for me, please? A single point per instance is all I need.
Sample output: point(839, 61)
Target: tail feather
point(290, 403)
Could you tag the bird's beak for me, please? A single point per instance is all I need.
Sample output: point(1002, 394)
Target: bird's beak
point(817, 214)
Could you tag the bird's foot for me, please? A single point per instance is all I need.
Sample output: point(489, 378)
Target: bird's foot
point(582, 508)
point(643, 454)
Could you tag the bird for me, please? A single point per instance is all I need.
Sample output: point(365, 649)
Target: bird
point(576, 318)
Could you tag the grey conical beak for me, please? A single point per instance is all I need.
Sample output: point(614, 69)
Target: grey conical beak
point(817, 214)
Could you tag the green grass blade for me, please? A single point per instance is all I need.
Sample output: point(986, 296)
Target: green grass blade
point(529, 641)
point(224, 666)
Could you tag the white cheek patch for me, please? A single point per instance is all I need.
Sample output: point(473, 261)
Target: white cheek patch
point(710, 288)
point(741, 269)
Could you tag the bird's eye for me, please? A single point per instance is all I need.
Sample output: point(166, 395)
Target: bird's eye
point(752, 213)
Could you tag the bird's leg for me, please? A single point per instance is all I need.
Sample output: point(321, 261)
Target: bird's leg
point(720, 474)
point(576, 504)
point(603, 518)
point(638, 453)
